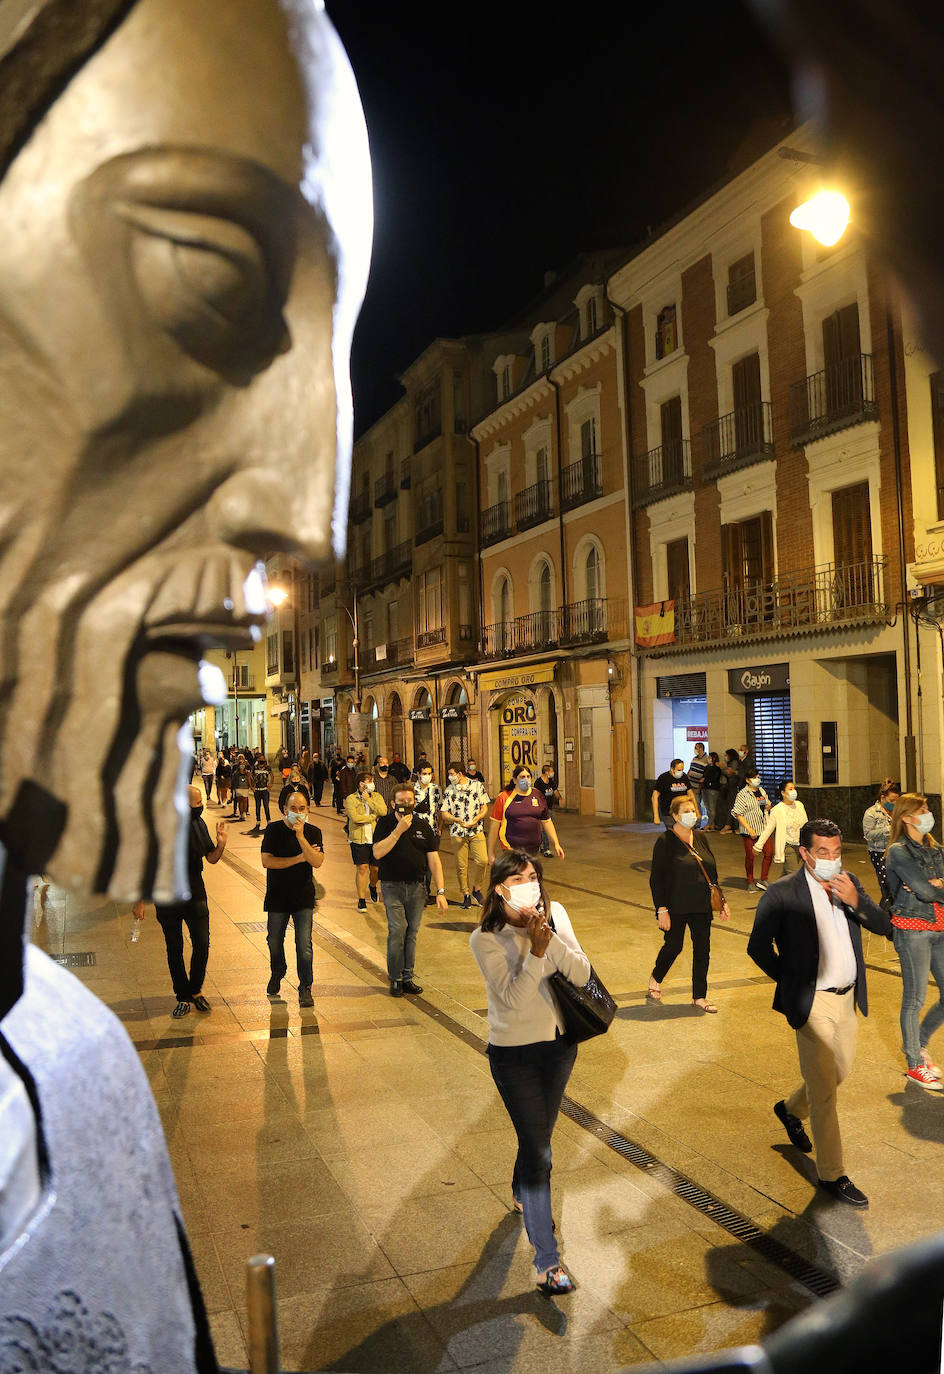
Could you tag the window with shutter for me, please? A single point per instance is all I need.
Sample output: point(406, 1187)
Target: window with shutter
point(748, 569)
point(670, 420)
point(843, 363)
point(748, 410)
point(852, 584)
point(937, 425)
point(678, 570)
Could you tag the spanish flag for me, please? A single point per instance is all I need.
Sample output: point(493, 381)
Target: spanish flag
point(655, 624)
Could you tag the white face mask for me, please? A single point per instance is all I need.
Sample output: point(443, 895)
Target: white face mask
point(688, 819)
point(827, 869)
point(523, 895)
point(676, 772)
point(791, 794)
point(924, 823)
point(293, 817)
point(368, 787)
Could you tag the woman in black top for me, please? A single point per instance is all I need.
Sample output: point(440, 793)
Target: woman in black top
point(682, 896)
point(711, 782)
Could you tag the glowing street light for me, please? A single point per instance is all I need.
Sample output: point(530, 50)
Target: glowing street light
point(277, 596)
point(825, 215)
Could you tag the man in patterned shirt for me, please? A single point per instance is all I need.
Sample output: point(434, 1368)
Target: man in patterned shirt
point(464, 808)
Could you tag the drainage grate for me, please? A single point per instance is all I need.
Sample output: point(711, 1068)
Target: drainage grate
point(86, 960)
point(817, 1281)
point(257, 927)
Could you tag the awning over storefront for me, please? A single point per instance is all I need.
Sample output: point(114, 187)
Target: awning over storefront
point(522, 677)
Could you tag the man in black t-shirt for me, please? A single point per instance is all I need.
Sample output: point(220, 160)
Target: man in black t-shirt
point(194, 913)
point(546, 784)
point(669, 785)
point(291, 849)
point(405, 845)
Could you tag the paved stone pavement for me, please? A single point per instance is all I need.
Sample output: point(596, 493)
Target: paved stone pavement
point(364, 1145)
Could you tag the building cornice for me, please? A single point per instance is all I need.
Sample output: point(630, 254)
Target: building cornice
point(593, 351)
point(512, 408)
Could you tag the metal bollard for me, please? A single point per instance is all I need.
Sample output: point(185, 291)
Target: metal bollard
point(263, 1327)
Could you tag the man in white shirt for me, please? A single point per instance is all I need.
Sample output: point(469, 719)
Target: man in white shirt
point(807, 938)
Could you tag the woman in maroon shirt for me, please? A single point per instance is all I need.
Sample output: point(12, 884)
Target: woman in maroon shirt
point(518, 817)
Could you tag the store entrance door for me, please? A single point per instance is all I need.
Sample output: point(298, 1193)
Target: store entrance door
point(770, 735)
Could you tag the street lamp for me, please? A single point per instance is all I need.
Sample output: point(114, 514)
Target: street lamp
point(826, 216)
point(277, 597)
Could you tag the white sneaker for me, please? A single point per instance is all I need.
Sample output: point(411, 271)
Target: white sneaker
point(761, 885)
point(925, 1079)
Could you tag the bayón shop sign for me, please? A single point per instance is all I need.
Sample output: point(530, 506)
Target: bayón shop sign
point(757, 681)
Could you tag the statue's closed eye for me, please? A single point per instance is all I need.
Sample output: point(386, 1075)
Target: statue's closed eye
point(205, 280)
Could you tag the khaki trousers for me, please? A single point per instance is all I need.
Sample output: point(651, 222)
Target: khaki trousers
point(826, 1047)
point(474, 846)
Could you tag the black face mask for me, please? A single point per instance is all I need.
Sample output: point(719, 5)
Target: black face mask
point(402, 810)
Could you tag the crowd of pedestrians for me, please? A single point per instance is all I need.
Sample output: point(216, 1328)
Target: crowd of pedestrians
point(806, 934)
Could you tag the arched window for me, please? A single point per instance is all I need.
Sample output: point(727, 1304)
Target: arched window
point(545, 589)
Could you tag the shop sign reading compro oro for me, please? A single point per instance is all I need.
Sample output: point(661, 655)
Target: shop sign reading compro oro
point(518, 734)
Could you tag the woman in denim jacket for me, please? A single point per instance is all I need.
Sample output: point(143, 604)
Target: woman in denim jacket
point(914, 863)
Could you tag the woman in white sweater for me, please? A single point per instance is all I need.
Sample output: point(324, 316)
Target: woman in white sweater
point(522, 939)
point(784, 822)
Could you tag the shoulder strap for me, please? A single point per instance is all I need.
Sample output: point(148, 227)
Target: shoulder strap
point(697, 857)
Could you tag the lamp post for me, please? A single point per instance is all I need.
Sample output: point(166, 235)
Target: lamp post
point(826, 215)
point(277, 598)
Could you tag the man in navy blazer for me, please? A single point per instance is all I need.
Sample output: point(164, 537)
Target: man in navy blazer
point(807, 938)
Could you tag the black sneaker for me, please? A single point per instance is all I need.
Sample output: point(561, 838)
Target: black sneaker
point(362, 904)
point(200, 1002)
point(374, 897)
point(467, 903)
point(793, 1127)
point(181, 1009)
point(272, 986)
point(477, 896)
point(305, 998)
point(844, 1190)
point(396, 989)
point(408, 985)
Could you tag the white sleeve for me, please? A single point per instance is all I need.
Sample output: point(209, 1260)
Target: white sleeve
point(515, 990)
point(564, 951)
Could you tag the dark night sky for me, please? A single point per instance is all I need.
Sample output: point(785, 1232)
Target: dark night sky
point(503, 149)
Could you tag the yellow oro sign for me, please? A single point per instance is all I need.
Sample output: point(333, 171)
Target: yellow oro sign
point(518, 734)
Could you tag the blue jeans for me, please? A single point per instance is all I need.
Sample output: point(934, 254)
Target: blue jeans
point(277, 924)
point(404, 904)
point(920, 953)
point(531, 1080)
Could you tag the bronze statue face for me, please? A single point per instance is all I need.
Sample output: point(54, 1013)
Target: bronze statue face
point(186, 246)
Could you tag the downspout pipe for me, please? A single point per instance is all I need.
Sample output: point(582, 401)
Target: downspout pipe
point(631, 550)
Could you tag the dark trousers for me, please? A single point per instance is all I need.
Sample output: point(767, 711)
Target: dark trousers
point(261, 795)
point(276, 926)
point(317, 790)
point(700, 927)
point(531, 1080)
point(208, 780)
point(196, 916)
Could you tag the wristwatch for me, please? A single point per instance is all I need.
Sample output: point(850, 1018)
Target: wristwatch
point(440, 892)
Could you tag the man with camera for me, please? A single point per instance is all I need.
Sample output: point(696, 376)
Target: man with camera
point(405, 845)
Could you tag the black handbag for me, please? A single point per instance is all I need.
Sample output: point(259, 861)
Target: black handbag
point(587, 1011)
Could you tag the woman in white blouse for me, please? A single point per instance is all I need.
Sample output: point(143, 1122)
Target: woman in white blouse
point(522, 939)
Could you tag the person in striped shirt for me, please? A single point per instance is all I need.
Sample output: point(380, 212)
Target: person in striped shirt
point(750, 810)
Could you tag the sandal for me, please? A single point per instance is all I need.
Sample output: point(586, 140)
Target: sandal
point(555, 1282)
point(654, 993)
point(704, 1005)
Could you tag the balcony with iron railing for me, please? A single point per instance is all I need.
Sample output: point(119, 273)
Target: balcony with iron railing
point(533, 506)
point(393, 563)
point(813, 599)
point(360, 507)
point(430, 520)
point(425, 639)
point(840, 396)
point(389, 655)
point(661, 472)
point(582, 481)
point(495, 523)
point(385, 489)
point(739, 439)
point(590, 621)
